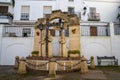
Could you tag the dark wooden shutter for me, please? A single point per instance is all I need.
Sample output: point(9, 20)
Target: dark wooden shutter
point(93, 31)
point(3, 9)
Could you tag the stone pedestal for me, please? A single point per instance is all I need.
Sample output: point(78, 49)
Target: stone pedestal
point(22, 66)
point(52, 71)
point(92, 64)
point(84, 66)
point(16, 65)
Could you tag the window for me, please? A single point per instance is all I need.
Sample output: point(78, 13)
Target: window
point(70, 10)
point(92, 10)
point(71, 0)
point(25, 12)
point(93, 15)
point(26, 32)
point(3, 9)
point(93, 31)
point(52, 32)
point(67, 32)
point(47, 10)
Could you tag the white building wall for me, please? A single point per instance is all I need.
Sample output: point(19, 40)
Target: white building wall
point(115, 45)
point(15, 46)
point(95, 46)
point(108, 9)
point(1, 29)
point(36, 7)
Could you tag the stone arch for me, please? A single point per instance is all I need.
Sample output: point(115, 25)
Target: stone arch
point(70, 19)
point(74, 28)
point(58, 14)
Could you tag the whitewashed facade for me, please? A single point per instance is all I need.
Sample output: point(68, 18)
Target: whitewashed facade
point(98, 14)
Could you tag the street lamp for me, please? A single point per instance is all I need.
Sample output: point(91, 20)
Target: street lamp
point(61, 26)
point(41, 28)
point(61, 29)
point(46, 38)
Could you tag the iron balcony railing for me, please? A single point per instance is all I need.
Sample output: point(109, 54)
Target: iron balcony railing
point(6, 16)
point(24, 16)
point(93, 17)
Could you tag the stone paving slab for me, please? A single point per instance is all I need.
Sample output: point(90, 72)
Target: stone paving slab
point(91, 75)
point(94, 74)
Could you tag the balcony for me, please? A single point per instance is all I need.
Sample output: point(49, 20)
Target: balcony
point(18, 31)
point(93, 17)
point(6, 18)
point(5, 1)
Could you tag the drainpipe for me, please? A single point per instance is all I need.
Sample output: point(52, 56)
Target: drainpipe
point(111, 36)
point(1, 30)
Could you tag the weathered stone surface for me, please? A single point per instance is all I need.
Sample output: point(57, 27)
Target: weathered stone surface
point(59, 67)
point(16, 65)
point(74, 32)
point(22, 66)
point(92, 64)
point(49, 45)
point(84, 66)
point(52, 67)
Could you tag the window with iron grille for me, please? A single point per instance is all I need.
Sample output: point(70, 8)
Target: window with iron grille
point(25, 12)
point(3, 9)
point(26, 32)
point(71, 10)
point(71, 0)
point(47, 11)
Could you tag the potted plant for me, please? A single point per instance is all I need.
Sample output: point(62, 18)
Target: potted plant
point(74, 53)
point(35, 53)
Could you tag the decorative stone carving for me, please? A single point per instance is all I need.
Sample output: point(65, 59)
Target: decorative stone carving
point(63, 49)
point(49, 45)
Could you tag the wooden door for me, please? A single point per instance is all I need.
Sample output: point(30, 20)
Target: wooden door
point(93, 31)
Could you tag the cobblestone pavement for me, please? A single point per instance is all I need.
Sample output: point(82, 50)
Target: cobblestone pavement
point(9, 73)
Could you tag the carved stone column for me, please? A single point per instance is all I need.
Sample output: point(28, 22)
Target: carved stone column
point(49, 45)
point(63, 49)
point(43, 44)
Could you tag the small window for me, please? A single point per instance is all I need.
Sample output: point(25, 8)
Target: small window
point(47, 11)
point(25, 12)
point(67, 32)
point(26, 32)
point(3, 9)
point(70, 10)
point(93, 31)
point(52, 32)
point(71, 0)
